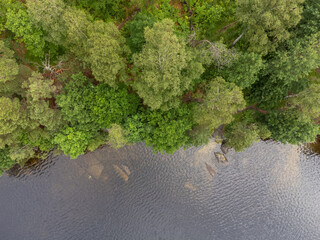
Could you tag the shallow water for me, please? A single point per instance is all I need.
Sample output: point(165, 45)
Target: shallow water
point(270, 191)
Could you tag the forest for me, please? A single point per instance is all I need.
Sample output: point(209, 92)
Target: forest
point(78, 74)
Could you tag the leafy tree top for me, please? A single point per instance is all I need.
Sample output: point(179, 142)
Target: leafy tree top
point(165, 67)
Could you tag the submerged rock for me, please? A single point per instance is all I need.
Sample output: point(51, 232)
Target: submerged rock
point(220, 157)
point(189, 186)
point(96, 170)
point(210, 169)
point(224, 148)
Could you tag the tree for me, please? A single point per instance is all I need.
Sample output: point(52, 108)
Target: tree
point(9, 68)
point(289, 127)
point(110, 106)
point(117, 137)
point(244, 71)
point(72, 141)
point(165, 68)
point(77, 23)
point(10, 115)
point(220, 103)
point(73, 99)
point(241, 135)
point(309, 23)
point(167, 131)
point(5, 161)
point(39, 90)
point(267, 22)
point(106, 53)
point(18, 21)
point(48, 14)
point(136, 28)
point(287, 71)
point(307, 101)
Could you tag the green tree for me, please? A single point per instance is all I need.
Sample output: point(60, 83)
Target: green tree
point(241, 135)
point(73, 98)
point(106, 53)
point(167, 131)
point(112, 105)
point(165, 68)
point(307, 101)
point(309, 23)
point(72, 141)
point(287, 71)
point(5, 161)
point(18, 21)
point(289, 127)
point(220, 103)
point(244, 71)
point(267, 22)
point(136, 28)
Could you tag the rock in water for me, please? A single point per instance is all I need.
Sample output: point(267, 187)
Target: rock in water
point(224, 148)
point(210, 169)
point(220, 157)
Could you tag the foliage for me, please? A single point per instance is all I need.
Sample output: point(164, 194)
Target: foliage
point(307, 101)
point(97, 141)
point(136, 28)
point(10, 115)
point(199, 135)
point(106, 53)
point(102, 9)
point(220, 103)
point(208, 15)
point(19, 23)
point(167, 131)
point(112, 106)
point(9, 69)
point(72, 141)
point(77, 24)
point(166, 10)
point(244, 71)
point(267, 22)
point(241, 135)
point(48, 14)
point(214, 53)
point(165, 68)
point(289, 127)
point(72, 101)
point(117, 137)
point(39, 88)
point(134, 128)
point(309, 23)
point(5, 161)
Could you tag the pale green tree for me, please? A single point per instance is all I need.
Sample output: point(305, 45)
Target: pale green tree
point(267, 22)
point(10, 115)
point(48, 14)
point(39, 91)
point(9, 68)
point(165, 67)
point(220, 103)
point(106, 53)
point(77, 23)
point(117, 136)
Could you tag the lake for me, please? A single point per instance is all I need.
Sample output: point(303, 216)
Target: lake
point(270, 191)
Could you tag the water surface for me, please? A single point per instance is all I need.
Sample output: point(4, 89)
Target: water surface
point(270, 191)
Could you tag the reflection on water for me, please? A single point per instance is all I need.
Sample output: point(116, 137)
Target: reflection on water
point(269, 191)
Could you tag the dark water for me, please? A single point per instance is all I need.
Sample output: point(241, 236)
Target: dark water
point(270, 191)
